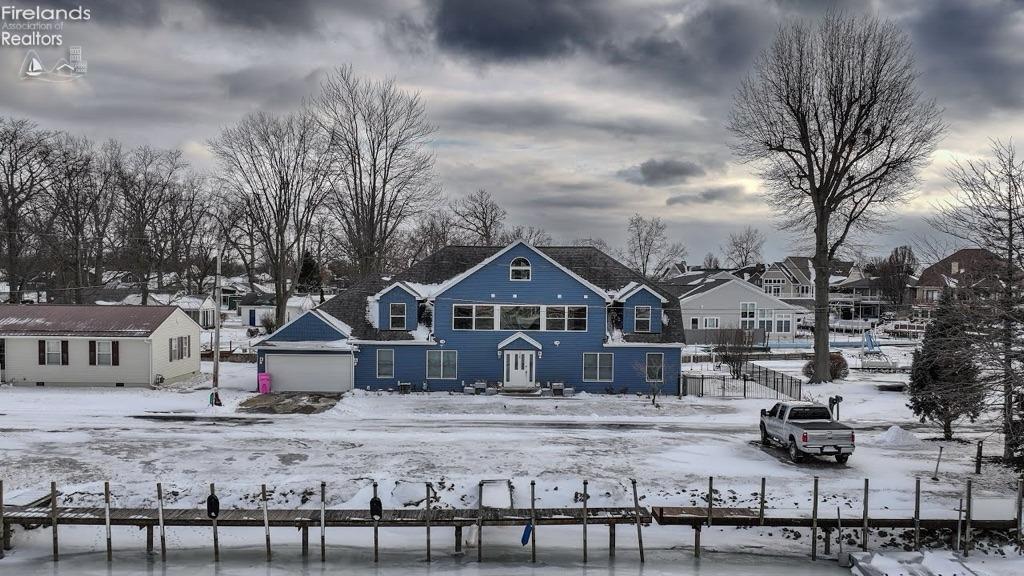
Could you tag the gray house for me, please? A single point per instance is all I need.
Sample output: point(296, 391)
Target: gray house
point(725, 301)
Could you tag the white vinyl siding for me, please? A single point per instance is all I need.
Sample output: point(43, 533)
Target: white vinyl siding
point(598, 366)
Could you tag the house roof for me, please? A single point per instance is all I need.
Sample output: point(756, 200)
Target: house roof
point(974, 266)
point(88, 320)
point(587, 262)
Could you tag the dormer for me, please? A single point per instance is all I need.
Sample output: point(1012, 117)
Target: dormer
point(641, 309)
point(397, 307)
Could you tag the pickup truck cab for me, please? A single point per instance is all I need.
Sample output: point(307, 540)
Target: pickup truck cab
point(806, 428)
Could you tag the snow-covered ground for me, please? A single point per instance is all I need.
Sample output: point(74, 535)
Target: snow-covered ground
point(134, 438)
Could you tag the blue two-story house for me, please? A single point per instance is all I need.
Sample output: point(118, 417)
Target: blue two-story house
point(518, 316)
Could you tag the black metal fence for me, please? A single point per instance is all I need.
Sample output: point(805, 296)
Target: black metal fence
point(756, 382)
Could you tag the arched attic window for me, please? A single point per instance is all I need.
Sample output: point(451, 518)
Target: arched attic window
point(519, 269)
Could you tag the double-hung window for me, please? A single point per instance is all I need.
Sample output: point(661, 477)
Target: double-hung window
point(53, 352)
point(655, 367)
point(747, 311)
point(473, 317)
point(783, 323)
point(598, 366)
point(442, 364)
point(642, 319)
point(104, 353)
point(711, 322)
point(562, 318)
point(764, 319)
point(397, 316)
point(385, 363)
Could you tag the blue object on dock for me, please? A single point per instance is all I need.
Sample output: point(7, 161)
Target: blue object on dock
point(527, 532)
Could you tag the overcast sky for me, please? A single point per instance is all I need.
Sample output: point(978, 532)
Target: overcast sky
point(573, 115)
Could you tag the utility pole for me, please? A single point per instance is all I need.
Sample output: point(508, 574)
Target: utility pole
point(215, 395)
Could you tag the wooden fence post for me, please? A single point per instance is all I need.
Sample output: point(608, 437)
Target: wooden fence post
point(584, 521)
point(480, 522)
point(160, 520)
point(639, 528)
point(533, 521)
point(428, 520)
point(106, 520)
point(323, 521)
point(376, 526)
point(967, 527)
point(760, 512)
point(53, 517)
point(266, 518)
point(213, 521)
point(864, 536)
point(917, 514)
point(814, 522)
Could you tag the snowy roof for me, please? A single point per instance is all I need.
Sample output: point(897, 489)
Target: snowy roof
point(70, 320)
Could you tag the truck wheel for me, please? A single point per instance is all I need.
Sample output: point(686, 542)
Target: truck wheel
point(842, 458)
point(765, 440)
point(794, 452)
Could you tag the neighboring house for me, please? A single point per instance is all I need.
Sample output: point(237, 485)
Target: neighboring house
point(200, 307)
point(517, 316)
point(857, 299)
point(255, 306)
point(792, 279)
point(975, 268)
point(67, 345)
point(727, 302)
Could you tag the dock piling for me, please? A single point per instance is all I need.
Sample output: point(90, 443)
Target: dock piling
point(967, 527)
point(864, 536)
point(160, 520)
point(917, 514)
point(584, 521)
point(711, 497)
point(376, 529)
point(533, 521)
point(106, 520)
point(323, 521)
point(760, 510)
point(3, 525)
point(213, 523)
point(266, 518)
point(427, 520)
point(480, 522)
point(814, 521)
point(639, 519)
point(53, 517)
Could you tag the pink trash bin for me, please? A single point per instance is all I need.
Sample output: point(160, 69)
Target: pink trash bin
point(263, 382)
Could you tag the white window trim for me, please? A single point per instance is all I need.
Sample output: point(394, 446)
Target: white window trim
point(598, 354)
point(392, 350)
point(59, 352)
point(109, 353)
point(692, 318)
point(543, 317)
point(391, 316)
point(704, 323)
point(650, 318)
point(442, 353)
point(647, 366)
point(518, 267)
point(474, 317)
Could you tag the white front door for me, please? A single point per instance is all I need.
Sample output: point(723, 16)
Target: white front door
point(520, 369)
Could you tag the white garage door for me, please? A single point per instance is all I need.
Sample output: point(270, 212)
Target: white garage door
point(310, 372)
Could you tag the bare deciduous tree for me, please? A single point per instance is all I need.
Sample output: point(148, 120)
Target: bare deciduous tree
point(838, 130)
point(894, 274)
point(479, 218)
point(711, 262)
point(378, 137)
point(648, 250)
point(281, 167)
point(529, 234)
point(25, 173)
point(744, 248)
point(987, 211)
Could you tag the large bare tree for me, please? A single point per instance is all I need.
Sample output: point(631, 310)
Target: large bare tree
point(279, 168)
point(987, 211)
point(648, 249)
point(379, 136)
point(895, 273)
point(25, 174)
point(479, 218)
point(744, 248)
point(834, 122)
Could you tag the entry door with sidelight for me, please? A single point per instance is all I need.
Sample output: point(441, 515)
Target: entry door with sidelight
point(520, 368)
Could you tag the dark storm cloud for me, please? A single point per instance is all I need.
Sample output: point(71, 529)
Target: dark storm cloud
point(268, 15)
point(666, 172)
point(712, 195)
point(970, 53)
point(516, 29)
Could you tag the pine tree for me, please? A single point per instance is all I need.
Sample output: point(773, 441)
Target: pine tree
point(309, 273)
point(944, 385)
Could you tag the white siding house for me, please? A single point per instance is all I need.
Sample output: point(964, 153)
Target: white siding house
point(65, 345)
point(728, 302)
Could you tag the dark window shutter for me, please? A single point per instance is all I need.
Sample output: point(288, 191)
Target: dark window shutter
point(64, 352)
point(170, 349)
point(115, 353)
point(188, 345)
point(92, 352)
point(42, 352)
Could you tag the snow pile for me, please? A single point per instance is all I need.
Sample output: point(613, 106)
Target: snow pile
point(896, 437)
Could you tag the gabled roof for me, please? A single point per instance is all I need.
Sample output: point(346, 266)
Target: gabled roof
point(975, 266)
point(589, 263)
point(88, 320)
point(632, 288)
point(519, 336)
point(722, 281)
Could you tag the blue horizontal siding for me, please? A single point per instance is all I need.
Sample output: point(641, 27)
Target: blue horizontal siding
point(396, 295)
point(308, 327)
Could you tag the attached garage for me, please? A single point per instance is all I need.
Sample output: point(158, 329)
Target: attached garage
point(330, 373)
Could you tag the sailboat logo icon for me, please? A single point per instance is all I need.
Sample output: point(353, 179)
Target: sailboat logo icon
point(32, 66)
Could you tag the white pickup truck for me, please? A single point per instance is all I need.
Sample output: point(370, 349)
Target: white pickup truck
point(805, 428)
